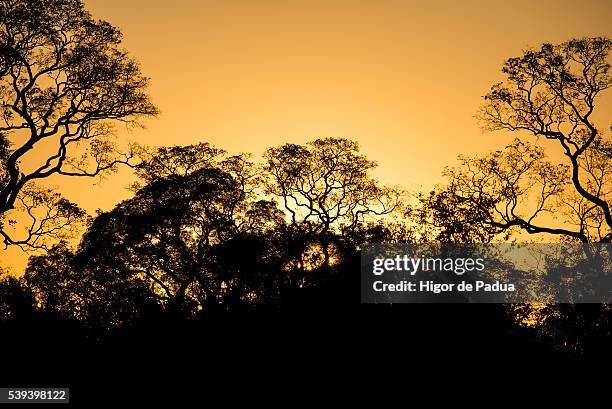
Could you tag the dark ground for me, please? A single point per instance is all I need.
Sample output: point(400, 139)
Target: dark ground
point(297, 349)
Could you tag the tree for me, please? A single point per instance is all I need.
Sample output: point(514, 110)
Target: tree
point(488, 196)
point(327, 184)
point(64, 79)
point(326, 189)
point(550, 93)
point(193, 238)
point(199, 236)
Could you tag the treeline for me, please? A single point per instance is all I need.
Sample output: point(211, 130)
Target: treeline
point(206, 232)
point(210, 236)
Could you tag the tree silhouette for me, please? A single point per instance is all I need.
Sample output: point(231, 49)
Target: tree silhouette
point(551, 93)
point(200, 237)
point(326, 188)
point(63, 80)
point(488, 196)
point(206, 234)
point(173, 245)
point(326, 184)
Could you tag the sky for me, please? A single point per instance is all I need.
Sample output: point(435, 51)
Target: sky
point(403, 78)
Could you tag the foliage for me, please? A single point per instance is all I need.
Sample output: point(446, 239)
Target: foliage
point(64, 79)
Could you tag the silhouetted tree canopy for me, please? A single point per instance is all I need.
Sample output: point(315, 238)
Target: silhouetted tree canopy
point(162, 246)
point(551, 93)
point(64, 79)
point(488, 196)
point(208, 233)
point(201, 235)
point(327, 190)
point(327, 185)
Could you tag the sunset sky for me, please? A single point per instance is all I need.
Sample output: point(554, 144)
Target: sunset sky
point(404, 78)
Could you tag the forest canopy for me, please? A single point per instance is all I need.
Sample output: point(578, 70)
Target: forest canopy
point(207, 232)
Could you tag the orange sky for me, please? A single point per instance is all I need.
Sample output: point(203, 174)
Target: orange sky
point(404, 78)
